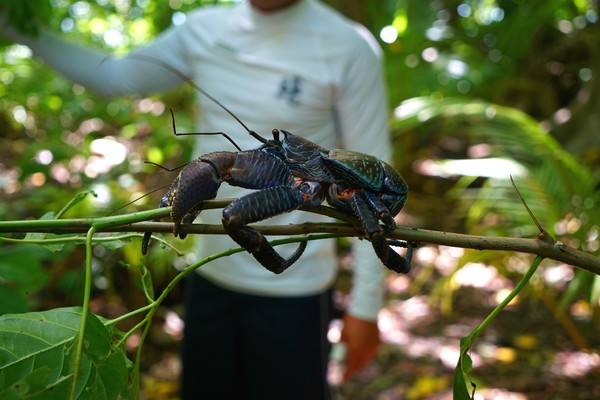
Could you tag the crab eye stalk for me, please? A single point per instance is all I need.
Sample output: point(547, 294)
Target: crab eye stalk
point(275, 135)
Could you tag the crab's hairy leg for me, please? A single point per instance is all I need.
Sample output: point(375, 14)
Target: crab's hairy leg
point(258, 206)
point(374, 232)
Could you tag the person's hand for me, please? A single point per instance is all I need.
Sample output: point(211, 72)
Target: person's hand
point(362, 340)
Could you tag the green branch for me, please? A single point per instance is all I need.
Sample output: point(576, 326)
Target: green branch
point(81, 239)
point(133, 223)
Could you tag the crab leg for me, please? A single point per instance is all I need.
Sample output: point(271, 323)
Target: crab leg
point(258, 206)
point(386, 254)
point(382, 211)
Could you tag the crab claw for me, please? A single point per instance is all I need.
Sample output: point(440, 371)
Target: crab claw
point(389, 257)
point(197, 182)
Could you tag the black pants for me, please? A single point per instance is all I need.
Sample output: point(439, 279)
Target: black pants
point(239, 346)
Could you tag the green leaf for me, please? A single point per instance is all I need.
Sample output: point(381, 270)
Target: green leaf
point(58, 390)
point(113, 244)
point(464, 366)
point(36, 350)
point(459, 388)
point(78, 198)
point(41, 236)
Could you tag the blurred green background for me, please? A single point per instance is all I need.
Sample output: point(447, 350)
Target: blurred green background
point(477, 89)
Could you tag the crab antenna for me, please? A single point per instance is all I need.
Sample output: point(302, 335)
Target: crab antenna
point(275, 133)
point(200, 133)
point(165, 168)
point(153, 190)
point(139, 198)
point(185, 78)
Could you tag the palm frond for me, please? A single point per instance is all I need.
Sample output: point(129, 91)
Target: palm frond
point(554, 179)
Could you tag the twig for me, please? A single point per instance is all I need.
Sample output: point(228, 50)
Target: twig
point(131, 223)
point(543, 235)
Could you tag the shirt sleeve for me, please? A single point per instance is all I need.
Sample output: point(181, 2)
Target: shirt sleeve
point(362, 115)
point(107, 75)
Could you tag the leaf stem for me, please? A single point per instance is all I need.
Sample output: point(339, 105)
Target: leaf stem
point(132, 330)
point(464, 364)
point(99, 222)
point(517, 289)
point(130, 314)
point(85, 310)
point(79, 239)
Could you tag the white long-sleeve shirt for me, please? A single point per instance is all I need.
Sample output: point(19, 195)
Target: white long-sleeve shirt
point(305, 69)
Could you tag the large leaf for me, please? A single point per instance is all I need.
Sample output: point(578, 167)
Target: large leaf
point(36, 352)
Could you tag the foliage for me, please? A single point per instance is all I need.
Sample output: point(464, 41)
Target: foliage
point(35, 358)
point(555, 182)
point(27, 16)
point(558, 188)
point(20, 284)
point(70, 353)
point(511, 53)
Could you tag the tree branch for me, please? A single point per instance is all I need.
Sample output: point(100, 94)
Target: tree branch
point(132, 223)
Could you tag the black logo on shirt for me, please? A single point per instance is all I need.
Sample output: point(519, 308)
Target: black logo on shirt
point(290, 89)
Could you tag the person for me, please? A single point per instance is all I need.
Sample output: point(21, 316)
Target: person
point(291, 64)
